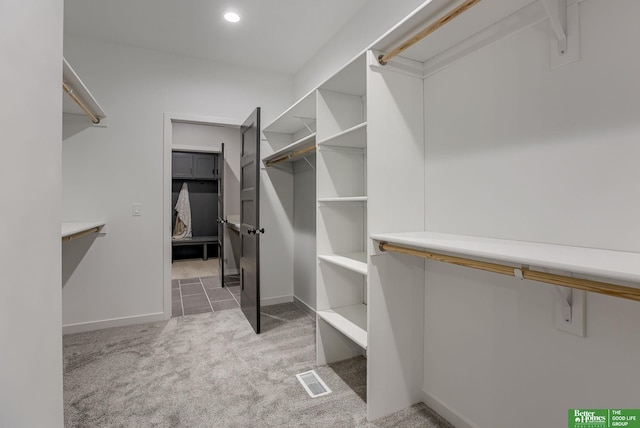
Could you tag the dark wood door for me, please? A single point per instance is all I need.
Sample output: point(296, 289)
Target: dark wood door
point(250, 220)
point(221, 217)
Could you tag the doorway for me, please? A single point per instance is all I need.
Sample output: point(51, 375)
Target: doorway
point(201, 270)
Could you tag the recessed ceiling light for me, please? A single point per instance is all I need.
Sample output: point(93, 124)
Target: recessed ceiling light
point(232, 17)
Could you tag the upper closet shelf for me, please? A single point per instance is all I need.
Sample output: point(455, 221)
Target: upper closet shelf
point(76, 98)
point(300, 116)
point(293, 151)
point(73, 230)
point(354, 137)
point(615, 265)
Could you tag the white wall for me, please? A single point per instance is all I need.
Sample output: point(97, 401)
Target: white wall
point(30, 120)
point(206, 137)
point(304, 226)
point(371, 22)
point(516, 151)
point(119, 277)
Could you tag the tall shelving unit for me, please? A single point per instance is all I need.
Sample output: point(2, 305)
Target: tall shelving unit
point(341, 232)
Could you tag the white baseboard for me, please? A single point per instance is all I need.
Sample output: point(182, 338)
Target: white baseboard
point(452, 416)
point(114, 322)
point(276, 300)
point(304, 307)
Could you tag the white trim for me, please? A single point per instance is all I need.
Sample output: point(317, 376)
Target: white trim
point(276, 300)
point(450, 415)
point(113, 322)
point(168, 119)
point(304, 307)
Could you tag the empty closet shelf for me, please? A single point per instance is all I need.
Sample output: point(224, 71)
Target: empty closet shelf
point(356, 262)
point(73, 230)
point(354, 137)
point(616, 265)
point(343, 199)
point(348, 320)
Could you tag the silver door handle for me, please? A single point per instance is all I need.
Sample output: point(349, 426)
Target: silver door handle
point(255, 231)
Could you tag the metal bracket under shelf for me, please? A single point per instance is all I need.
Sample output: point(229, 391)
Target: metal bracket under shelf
point(564, 18)
point(569, 313)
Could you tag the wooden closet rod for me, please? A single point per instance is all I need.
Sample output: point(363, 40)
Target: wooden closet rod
point(549, 278)
point(291, 155)
point(78, 101)
point(383, 59)
point(81, 234)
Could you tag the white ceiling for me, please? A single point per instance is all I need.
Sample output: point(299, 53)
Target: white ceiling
point(277, 35)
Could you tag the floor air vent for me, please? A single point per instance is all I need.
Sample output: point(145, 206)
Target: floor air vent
point(312, 383)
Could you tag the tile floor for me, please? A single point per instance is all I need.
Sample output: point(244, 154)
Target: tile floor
point(203, 294)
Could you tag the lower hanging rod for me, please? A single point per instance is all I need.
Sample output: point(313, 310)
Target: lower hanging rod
point(523, 273)
point(291, 155)
point(81, 104)
point(81, 234)
point(383, 59)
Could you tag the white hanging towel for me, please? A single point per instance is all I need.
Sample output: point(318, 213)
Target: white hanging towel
point(182, 229)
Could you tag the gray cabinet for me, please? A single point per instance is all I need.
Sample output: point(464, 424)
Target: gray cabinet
point(182, 165)
point(195, 166)
point(205, 166)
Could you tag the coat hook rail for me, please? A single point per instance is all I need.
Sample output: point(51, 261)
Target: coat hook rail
point(548, 278)
point(291, 155)
point(78, 101)
point(383, 59)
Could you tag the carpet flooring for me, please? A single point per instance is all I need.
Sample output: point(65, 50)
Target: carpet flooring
point(211, 370)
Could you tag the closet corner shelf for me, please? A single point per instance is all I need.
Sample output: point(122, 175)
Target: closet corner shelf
point(356, 262)
point(354, 137)
point(79, 90)
point(609, 264)
point(348, 320)
point(295, 117)
point(291, 152)
point(343, 199)
point(73, 230)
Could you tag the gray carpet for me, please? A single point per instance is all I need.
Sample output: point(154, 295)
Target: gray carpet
point(211, 370)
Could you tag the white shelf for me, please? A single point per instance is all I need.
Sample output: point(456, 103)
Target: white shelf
point(300, 144)
point(619, 265)
point(69, 106)
point(343, 199)
point(350, 321)
point(354, 137)
point(70, 229)
point(295, 117)
point(356, 262)
point(457, 32)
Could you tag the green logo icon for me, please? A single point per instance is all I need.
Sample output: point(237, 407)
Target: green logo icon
point(604, 418)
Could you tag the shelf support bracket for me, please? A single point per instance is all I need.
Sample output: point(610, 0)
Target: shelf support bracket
point(556, 10)
point(564, 20)
point(565, 297)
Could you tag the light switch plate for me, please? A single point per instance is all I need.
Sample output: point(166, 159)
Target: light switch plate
point(136, 209)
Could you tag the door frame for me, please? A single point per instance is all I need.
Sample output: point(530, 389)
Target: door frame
point(168, 120)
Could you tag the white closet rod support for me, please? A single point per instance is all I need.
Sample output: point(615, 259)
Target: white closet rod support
point(384, 59)
point(557, 12)
point(78, 101)
point(522, 273)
